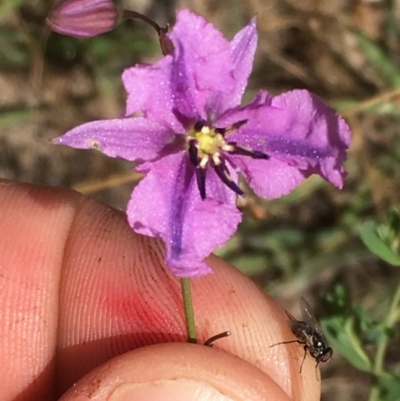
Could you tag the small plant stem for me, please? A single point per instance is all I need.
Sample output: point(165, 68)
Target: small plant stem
point(188, 307)
point(166, 44)
point(134, 14)
point(378, 368)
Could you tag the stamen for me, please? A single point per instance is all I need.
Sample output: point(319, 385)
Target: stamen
point(216, 158)
point(239, 124)
point(207, 146)
point(232, 128)
point(205, 130)
point(201, 181)
point(204, 160)
point(224, 176)
point(198, 126)
point(255, 154)
point(193, 153)
point(228, 148)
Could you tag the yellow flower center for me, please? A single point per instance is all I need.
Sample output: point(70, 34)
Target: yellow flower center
point(209, 145)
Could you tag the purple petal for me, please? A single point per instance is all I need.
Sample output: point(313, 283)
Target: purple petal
point(313, 119)
point(261, 121)
point(149, 93)
point(318, 127)
point(310, 136)
point(202, 65)
point(268, 178)
point(219, 191)
point(242, 47)
point(167, 204)
point(128, 138)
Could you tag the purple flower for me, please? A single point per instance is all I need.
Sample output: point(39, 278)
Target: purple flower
point(83, 18)
point(185, 128)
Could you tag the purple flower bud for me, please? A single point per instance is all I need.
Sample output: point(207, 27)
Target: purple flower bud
point(83, 18)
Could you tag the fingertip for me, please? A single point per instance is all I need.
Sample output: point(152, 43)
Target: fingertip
point(256, 321)
point(178, 371)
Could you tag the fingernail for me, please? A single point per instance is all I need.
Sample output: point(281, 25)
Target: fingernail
point(162, 390)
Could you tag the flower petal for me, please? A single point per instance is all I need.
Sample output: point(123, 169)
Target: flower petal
point(149, 93)
point(167, 204)
point(308, 135)
point(320, 128)
point(201, 66)
point(242, 47)
point(218, 190)
point(129, 138)
point(268, 178)
point(261, 122)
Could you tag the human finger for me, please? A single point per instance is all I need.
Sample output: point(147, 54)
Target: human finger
point(176, 372)
point(94, 290)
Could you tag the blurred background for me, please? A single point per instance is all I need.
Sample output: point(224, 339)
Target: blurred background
point(304, 244)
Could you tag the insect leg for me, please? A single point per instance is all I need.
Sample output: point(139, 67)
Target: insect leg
point(287, 342)
point(209, 342)
point(304, 357)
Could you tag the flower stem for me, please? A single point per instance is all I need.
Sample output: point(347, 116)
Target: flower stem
point(188, 307)
point(166, 45)
point(135, 14)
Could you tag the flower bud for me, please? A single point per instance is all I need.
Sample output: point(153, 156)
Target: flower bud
point(83, 18)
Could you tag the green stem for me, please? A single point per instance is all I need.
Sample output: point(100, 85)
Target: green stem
point(378, 368)
point(188, 307)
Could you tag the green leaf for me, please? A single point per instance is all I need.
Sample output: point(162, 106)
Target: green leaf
point(369, 330)
point(369, 235)
point(344, 326)
point(390, 385)
point(11, 117)
point(393, 222)
point(381, 61)
point(341, 336)
point(396, 370)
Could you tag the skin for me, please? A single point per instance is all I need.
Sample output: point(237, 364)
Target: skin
point(88, 310)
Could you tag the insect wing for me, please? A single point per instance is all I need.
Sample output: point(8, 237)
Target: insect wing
point(298, 327)
point(307, 315)
point(303, 332)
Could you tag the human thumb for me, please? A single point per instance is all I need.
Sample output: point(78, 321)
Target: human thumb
point(176, 372)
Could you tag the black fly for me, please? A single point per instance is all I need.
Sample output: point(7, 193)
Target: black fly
point(308, 334)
